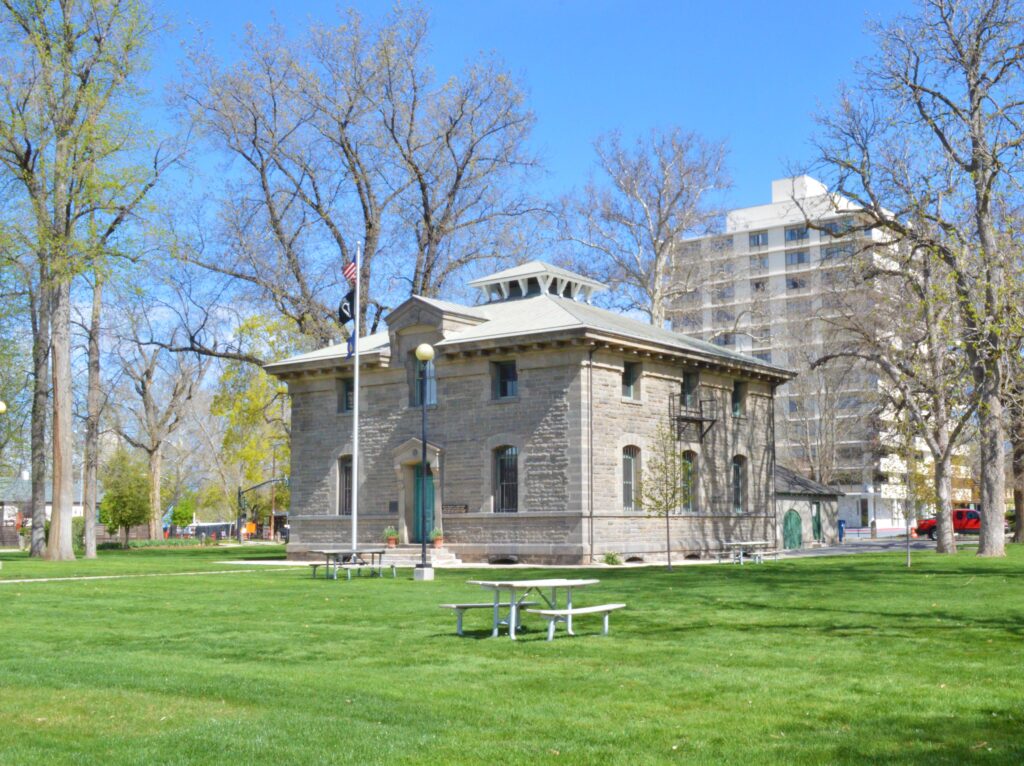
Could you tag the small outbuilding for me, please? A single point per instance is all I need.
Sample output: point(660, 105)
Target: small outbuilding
point(806, 511)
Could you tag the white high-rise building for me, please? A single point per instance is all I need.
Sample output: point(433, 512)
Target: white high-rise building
point(767, 287)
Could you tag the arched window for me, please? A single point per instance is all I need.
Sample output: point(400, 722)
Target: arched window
point(739, 484)
point(688, 483)
point(630, 476)
point(506, 480)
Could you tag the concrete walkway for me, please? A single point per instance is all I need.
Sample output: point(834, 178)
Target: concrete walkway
point(25, 580)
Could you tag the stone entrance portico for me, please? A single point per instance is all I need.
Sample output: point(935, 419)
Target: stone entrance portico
point(407, 458)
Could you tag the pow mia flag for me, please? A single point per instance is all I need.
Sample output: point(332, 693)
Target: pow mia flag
point(345, 307)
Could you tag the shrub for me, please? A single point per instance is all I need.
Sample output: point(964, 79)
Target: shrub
point(612, 559)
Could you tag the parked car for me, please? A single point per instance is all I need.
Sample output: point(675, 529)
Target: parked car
point(965, 522)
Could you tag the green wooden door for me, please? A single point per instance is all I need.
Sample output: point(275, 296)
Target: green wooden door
point(791, 535)
point(816, 521)
point(421, 528)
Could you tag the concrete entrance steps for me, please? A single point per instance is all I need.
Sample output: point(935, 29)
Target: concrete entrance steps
point(410, 555)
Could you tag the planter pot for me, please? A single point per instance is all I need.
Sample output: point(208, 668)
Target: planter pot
point(439, 542)
point(392, 542)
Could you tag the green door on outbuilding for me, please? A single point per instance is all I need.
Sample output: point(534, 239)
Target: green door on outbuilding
point(791, 534)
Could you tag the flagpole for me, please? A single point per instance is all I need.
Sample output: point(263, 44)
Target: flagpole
point(355, 407)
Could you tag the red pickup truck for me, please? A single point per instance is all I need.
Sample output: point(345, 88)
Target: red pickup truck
point(965, 522)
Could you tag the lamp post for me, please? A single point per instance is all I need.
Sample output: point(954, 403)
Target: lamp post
point(425, 354)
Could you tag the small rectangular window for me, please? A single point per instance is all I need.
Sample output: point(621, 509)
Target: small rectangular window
point(758, 239)
point(758, 263)
point(631, 380)
point(764, 356)
point(796, 283)
point(796, 233)
point(504, 380)
point(739, 399)
point(346, 394)
point(759, 286)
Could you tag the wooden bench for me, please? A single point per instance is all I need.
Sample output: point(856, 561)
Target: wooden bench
point(759, 556)
point(554, 616)
point(461, 608)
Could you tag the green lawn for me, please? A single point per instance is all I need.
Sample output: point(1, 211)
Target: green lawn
point(843, 660)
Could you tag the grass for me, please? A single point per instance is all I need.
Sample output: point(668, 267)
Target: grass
point(844, 660)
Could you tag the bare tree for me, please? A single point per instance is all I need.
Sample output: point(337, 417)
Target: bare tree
point(342, 137)
point(158, 385)
point(652, 196)
point(929, 146)
point(911, 337)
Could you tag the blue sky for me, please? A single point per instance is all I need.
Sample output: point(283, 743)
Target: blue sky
point(750, 73)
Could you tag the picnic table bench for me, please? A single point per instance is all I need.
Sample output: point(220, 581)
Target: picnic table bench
point(461, 608)
point(554, 616)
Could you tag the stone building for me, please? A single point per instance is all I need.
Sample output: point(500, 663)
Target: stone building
point(541, 409)
point(807, 511)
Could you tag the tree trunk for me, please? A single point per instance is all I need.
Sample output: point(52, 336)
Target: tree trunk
point(1017, 440)
point(155, 512)
point(40, 402)
point(92, 422)
point(59, 547)
point(668, 541)
point(993, 471)
point(944, 497)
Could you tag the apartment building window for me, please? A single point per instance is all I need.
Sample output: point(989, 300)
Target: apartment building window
point(796, 283)
point(506, 480)
point(758, 239)
point(631, 380)
point(688, 483)
point(722, 245)
point(798, 258)
point(630, 476)
point(504, 380)
point(794, 407)
point(724, 315)
point(759, 286)
point(725, 293)
point(724, 339)
point(836, 252)
point(802, 308)
point(739, 399)
point(690, 383)
point(759, 263)
point(346, 394)
point(764, 356)
point(796, 233)
point(838, 227)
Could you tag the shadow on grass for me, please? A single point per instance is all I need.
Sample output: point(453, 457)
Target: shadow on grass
point(959, 737)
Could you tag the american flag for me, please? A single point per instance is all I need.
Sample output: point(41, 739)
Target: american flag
point(350, 271)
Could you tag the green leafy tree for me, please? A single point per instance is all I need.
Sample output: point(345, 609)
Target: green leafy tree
point(662, 491)
point(126, 491)
point(255, 407)
point(184, 509)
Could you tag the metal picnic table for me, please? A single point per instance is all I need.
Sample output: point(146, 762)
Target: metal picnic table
point(518, 590)
point(335, 558)
point(745, 548)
